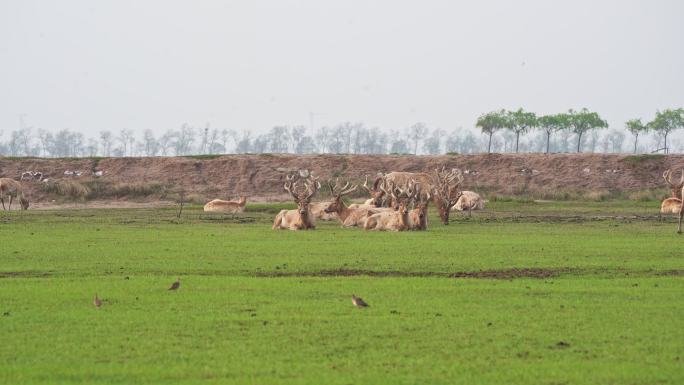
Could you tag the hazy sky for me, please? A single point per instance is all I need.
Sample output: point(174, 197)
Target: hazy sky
point(106, 65)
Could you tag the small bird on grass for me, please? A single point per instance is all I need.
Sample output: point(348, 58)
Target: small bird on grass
point(97, 302)
point(175, 285)
point(358, 302)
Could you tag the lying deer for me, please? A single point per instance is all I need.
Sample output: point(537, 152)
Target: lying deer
point(318, 211)
point(375, 192)
point(230, 207)
point(418, 217)
point(12, 189)
point(394, 220)
point(674, 205)
point(349, 216)
point(300, 218)
point(469, 201)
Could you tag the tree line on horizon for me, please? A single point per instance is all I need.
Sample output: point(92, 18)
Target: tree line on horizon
point(578, 122)
point(503, 131)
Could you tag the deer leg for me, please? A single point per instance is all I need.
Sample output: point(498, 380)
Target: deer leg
point(679, 225)
point(10, 203)
point(3, 203)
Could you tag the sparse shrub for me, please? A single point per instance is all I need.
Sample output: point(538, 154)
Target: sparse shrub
point(67, 188)
point(597, 196)
point(648, 195)
point(137, 189)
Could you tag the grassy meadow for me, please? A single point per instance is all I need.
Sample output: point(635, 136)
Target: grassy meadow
point(521, 293)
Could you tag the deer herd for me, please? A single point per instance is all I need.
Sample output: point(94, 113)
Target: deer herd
point(398, 200)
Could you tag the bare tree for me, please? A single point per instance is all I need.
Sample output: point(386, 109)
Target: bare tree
point(416, 132)
point(106, 142)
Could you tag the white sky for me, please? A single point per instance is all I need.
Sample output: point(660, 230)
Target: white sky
point(106, 65)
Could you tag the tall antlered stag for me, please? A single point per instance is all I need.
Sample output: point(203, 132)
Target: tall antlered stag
point(302, 190)
point(444, 186)
point(12, 189)
point(394, 220)
point(446, 191)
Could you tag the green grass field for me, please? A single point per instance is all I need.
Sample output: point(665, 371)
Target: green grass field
point(522, 293)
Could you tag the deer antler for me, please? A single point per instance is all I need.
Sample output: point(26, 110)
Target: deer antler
point(365, 185)
point(341, 192)
point(291, 186)
point(312, 185)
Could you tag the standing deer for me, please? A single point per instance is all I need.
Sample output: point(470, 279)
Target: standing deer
point(12, 189)
point(446, 191)
point(300, 218)
point(231, 207)
point(394, 220)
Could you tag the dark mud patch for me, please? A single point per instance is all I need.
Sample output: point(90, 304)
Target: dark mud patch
point(351, 273)
point(482, 274)
point(670, 273)
point(513, 273)
point(25, 274)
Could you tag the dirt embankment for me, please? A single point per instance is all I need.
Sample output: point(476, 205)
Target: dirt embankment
point(261, 176)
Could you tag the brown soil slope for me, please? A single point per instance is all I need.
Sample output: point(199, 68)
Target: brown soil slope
point(261, 176)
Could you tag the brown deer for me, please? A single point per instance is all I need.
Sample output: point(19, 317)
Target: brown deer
point(318, 211)
point(394, 220)
point(230, 207)
point(418, 217)
point(12, 189)
point(349, 216)
point(445, 192)
point(672, 205)
point(300, 218)
point(676, 188)
point(375, 192)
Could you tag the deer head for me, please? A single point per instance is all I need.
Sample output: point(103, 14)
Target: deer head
point(675, 187)
point(403, 196)
point(337, 193)
point(391, 193)
point(446, 191)
point(375, 192)
point(302, 190)
point(422, 204)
